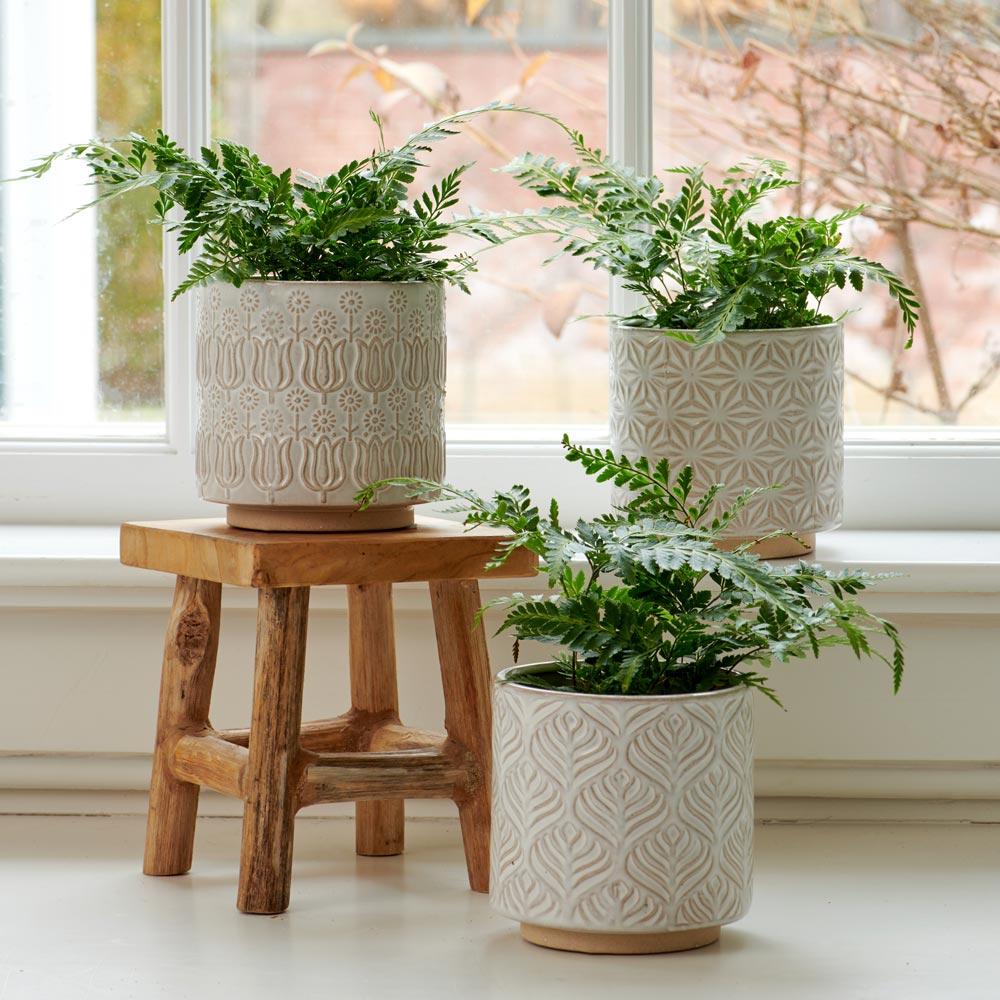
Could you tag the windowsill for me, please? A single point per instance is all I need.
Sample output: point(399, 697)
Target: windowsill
point(77, 566)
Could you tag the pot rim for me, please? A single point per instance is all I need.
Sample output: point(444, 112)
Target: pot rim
point(282, 282)
point(770, 331)
point(630, 699)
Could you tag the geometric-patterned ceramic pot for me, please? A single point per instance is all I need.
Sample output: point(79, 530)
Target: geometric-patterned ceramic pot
point(309, 391)
point(758, 408)
point(621, 824)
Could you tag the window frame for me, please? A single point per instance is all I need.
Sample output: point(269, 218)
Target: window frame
point(895, 479)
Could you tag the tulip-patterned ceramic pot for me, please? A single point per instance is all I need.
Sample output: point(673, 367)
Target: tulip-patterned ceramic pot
point(309, 391)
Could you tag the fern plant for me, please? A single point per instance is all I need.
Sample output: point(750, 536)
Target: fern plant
point(246, 220)
point(645, 603)
point(702, 261)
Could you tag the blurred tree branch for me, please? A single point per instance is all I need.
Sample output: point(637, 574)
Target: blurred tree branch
point(896, 105)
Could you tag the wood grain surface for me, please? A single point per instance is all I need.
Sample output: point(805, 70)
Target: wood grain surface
point(379, 824)
point(276, 760)
point(209, 549)
point(189, 655)
point(468, 682)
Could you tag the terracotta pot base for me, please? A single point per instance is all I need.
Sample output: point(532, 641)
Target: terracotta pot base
point(592, 943)
point(782, 547)
point(319, 519)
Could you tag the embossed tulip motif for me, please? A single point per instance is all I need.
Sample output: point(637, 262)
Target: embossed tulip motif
point(203, 455)
point(372, 457)
point(420, 451)
point(311, 390)
point(230, 465)
point(323, 466)
point(376, 364)
point(271, 465)
point(416, 367)
point(272, 365)
point(325, 369)
point(204, 359)
point(230, 371)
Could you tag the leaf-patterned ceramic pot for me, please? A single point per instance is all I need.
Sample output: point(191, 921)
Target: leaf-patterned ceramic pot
point(309, 390)
point(621, 824)
point(760, 408)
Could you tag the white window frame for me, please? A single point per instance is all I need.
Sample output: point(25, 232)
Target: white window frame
point(937, 479)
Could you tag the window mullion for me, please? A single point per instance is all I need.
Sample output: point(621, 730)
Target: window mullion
point(630, 102)
point(186, 74)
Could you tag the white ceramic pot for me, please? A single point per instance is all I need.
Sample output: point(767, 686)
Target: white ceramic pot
point(759, 408)
point(621, 824)
point(310, 390)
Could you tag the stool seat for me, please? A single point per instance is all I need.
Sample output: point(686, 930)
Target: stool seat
point(278, 764)
point(208, 549)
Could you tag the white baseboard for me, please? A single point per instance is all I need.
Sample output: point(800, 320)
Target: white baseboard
point(885, 779)
point(809, 791)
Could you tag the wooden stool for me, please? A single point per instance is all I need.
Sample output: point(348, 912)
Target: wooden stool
point(277, 766)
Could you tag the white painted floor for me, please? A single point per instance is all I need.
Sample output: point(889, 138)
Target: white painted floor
point(841, 913)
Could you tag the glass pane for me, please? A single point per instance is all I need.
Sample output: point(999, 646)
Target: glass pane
point(81, 338)
point(513, 355)
point(891, 103)
point(130, 300)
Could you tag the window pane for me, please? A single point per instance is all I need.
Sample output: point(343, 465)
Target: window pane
point(80, 297)
point(130, 302)
point(513, 355)
point(891, 103)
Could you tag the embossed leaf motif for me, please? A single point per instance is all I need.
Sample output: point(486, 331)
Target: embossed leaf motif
point(717, 900)
point(506, 843)
point(561, 737)
point(652, 825)
point(737, 742)
point(712, 803)
point(736, 854)
point(518, 891)
point(672, 749)
point(508, 724)
point(528, 792)
point(620, 807)
point(621, 904)
point(672, 863)
point(566, 860)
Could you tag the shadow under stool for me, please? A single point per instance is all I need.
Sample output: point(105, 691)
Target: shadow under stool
point(279, 765)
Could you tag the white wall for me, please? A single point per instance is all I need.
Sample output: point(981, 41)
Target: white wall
point(80, 656)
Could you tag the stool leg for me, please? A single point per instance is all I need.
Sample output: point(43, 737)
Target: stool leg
point(467, 681)
point(275, 757)
point(379, 825)
point(185, 692)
